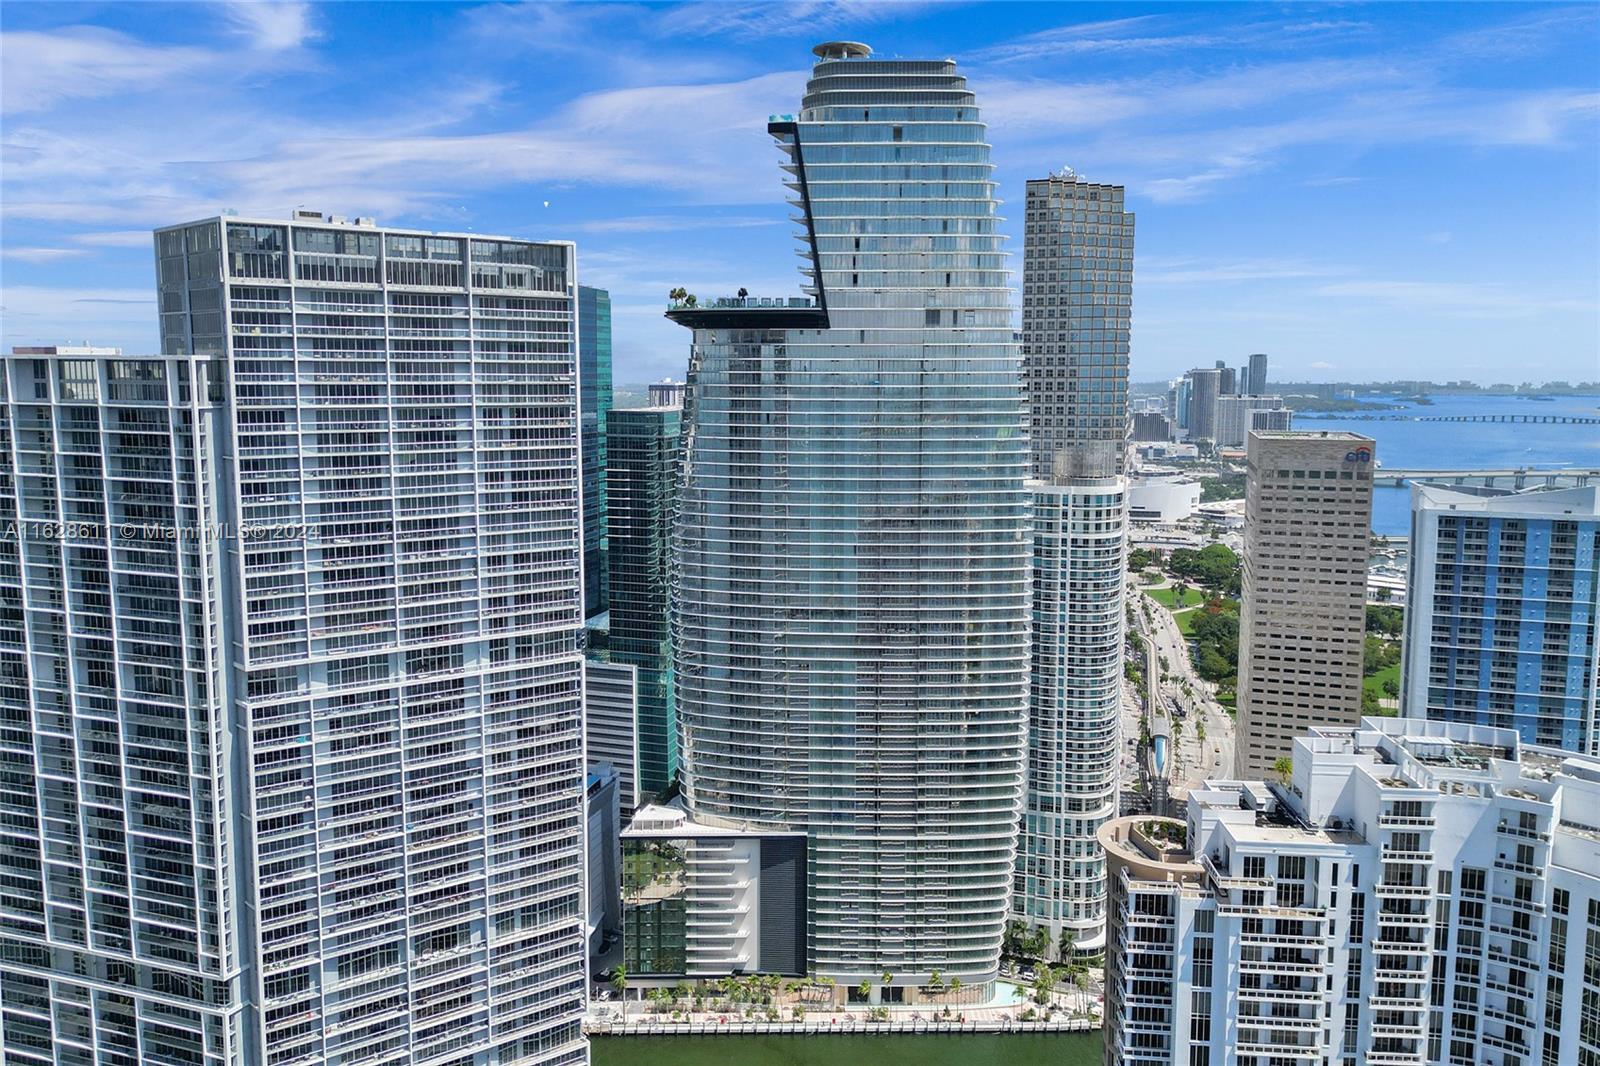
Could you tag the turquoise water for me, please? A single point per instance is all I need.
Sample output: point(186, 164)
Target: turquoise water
point(967, 1049)
point(1467, 445)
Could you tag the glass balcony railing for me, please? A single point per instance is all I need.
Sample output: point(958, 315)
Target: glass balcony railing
point(734, 303)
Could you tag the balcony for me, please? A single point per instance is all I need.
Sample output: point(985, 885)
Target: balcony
point(749, 312)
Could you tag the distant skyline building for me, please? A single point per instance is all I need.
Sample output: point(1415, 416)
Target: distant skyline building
point(1179, 397)
point(1302, 611)
point(1258, 375)
point(644, 448)
point(1149, 425)
point(1229, 383)
point(1412, 893)
point(851, 556)
point(406, 620)
point(1205, 388)
point(1271, 420)
point(1502, 612)
point(1076, 315)
point(594, 371)
point(666, 393)
point(1238, 415)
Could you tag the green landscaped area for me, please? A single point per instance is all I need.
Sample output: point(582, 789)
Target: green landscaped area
point(1168, 597)
point(1374, 684)
point(963, 1049)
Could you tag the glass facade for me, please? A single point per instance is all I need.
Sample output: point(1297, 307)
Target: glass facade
point(852, 552)
point(643, 450)
point(1077, 300)
point(594, 400)
point(1504, 605)
point(655, 906)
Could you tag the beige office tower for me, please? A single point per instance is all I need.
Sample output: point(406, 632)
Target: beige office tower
point(1308, 518)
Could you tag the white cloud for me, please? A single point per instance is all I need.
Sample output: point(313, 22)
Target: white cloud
point(270, 26)
point(673, 223)
point(41, 70)
point(1114, 35)
point(776, 19)
point(1186, 270)
point(32, 314)
point(1460, 299)
point(122, 238)
point(42, 255)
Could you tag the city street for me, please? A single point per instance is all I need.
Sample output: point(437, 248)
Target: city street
point(1194, 760)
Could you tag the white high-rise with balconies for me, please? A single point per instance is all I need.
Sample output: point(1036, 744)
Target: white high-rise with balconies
point(296, 766)
point(1076, 314)
point(1413, 893)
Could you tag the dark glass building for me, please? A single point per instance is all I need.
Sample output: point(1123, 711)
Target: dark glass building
point(642, 472)
point(594, 387)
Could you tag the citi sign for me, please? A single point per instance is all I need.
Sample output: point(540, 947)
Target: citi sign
point(1360, 455)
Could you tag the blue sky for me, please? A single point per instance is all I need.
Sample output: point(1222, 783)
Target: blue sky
point(1361, 191)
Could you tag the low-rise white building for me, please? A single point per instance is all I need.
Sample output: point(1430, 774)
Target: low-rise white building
point(1162, 497)
point(1413, 892)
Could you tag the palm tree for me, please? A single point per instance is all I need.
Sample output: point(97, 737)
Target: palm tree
point(1066, 943)
point(1283, 766)
point(678, 294)
point(864, 989)
point(619, 982)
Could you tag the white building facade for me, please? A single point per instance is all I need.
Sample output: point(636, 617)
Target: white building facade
point(1075, 739)
point(1415, 893)
point(1076, 316)
point(338, 696)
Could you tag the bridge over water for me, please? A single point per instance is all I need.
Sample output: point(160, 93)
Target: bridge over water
point(1517, 478)
point(1554, 420)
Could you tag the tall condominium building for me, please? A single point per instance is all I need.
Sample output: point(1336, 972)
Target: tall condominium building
point(1178, 398)
point(1077, 297)
point(122, 940)
point(328, 692)
point(1228, 385)
point(1257, 385)
point(1503, 610)
point(1205, 387)
point(643, 451)
point(594, 400)
point(852, 551)
point(1415, 893)
point(1237, 416)
point(1075, 706)
point(1076, 308)
point(1302, 617)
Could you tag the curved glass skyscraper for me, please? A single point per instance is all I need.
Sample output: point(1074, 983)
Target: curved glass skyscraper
point(852, 551)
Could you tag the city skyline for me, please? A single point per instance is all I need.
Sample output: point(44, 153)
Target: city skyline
point(1345, 235)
